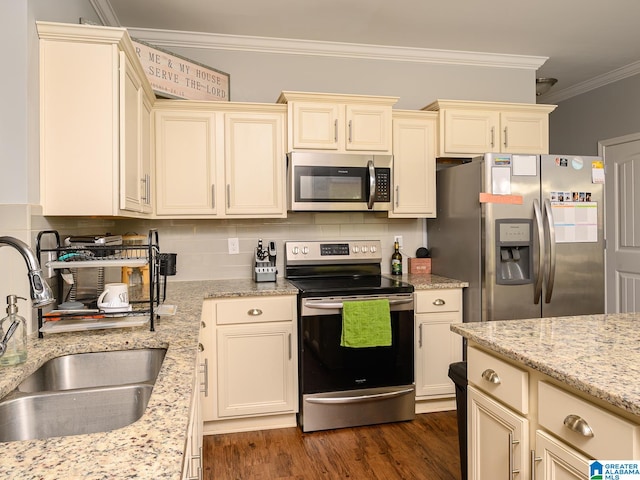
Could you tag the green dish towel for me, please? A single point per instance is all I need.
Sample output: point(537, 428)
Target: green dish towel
point(366, 323)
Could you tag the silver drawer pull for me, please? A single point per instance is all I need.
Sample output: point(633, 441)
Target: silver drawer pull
point(439, 302)
point(577, 424)
point(254, 312)
point(491, 376)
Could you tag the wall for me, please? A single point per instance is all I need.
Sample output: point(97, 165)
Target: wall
point(256, 77)
point(578, 123)
point(260, 77)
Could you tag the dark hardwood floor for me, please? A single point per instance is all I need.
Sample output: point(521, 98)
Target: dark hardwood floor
point(425, 448)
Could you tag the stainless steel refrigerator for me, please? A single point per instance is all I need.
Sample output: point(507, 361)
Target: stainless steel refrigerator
point(526, 232)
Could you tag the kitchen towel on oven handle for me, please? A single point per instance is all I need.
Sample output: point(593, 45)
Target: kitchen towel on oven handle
point(366, 323)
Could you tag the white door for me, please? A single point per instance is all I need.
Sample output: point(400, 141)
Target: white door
point(622, 228)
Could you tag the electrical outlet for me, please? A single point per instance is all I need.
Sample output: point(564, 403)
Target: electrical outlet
point(234, 246)
point(398, 238)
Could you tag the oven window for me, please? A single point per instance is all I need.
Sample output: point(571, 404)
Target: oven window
point(330, 184)
point(326, 366)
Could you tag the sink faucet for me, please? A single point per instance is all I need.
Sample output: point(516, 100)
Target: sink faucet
point(41, 294)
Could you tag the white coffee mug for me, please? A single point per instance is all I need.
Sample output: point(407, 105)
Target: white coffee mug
point(114, 295)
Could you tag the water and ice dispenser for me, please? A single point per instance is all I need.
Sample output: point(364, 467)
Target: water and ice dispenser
point(514, 251)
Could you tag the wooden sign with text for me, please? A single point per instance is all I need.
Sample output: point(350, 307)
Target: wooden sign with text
point(175, 77)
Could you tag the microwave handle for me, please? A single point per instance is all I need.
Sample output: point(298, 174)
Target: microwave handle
point(372, 184)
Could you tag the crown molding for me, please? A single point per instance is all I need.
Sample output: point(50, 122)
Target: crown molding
point(105, 13)
point(284, 46)
point(591, 84)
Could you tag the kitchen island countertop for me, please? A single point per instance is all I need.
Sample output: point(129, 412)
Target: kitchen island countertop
point(153, 446)
point(598, 355)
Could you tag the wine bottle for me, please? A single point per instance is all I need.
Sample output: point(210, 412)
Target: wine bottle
point(396, 260)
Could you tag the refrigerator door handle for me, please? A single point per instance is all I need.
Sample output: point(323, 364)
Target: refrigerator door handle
point(551, 272)
point(539, 275)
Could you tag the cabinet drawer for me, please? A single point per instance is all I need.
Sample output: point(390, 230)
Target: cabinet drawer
point(613, 436)
point(498, 378)
point(447, 300)
point(255, 310)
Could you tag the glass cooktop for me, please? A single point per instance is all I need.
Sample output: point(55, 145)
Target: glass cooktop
point(363, 285)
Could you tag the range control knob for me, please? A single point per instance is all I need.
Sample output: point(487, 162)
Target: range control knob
point(305, 250)
point(373, 249)
point(355, 249)
point(295, 250)
point(365, 249)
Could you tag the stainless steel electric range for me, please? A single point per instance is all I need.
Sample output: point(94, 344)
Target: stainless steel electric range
point(345, 386)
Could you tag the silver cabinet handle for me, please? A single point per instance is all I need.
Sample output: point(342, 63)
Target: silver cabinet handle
point(491, 376)
point(397, 195)
point(420, 336)
point(143, 187)
point(350, 131)
point(290, 348)
point(505, 137)
point(577, 424)
point(493, 135)
point(512, 443)
point(213, 196)
point(439, 302)
point(200, 347)
point(148, 189)
point(335, 130)
point(204, 370)
point(228, 195)
point(254, 312)
point(534, 459)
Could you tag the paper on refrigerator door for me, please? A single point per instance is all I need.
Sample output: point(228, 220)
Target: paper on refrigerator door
point(501, 180)
point(575, 222)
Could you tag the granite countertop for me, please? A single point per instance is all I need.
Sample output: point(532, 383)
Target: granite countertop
point(153, 446)
point(595, 354)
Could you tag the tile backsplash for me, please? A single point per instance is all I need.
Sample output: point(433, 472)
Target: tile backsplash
point(202, 247)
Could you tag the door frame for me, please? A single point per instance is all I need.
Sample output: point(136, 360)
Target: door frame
point(609, 196)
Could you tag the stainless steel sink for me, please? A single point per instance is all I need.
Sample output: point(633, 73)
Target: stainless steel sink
point(72, 412)
point(84, 370)
point(81, 393)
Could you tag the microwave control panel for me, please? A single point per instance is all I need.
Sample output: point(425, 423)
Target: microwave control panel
point(383, 185)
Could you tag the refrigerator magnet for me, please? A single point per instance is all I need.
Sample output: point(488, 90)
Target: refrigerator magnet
point(577, 163)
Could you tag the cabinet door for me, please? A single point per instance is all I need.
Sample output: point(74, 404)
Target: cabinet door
point(207, 361)
point(185, 163)
point(132, 187)
point(255, 164)
point(414, 167)
point(368, 127)
point(556, 461)
point(470, 132)
point(315, 125)
point(498, 443)
point(256, 369)
point(525, 132)
point(436, 348)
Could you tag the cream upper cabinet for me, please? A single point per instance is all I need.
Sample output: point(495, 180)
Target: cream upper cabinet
point(220, 160)
point(471, 128)
point(414, 164)
point(342, 123)
point(95, 103)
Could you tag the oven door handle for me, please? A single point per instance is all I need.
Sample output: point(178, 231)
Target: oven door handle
point(335, 305)
point(360, 398)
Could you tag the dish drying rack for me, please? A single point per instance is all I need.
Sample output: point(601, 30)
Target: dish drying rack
point(103, 256)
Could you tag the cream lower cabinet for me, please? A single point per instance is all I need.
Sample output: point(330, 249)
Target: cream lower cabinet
point(414, 164)
point(498, 439)
point(95, 102)
point(436, 347)
point(342, 123)
point(554, 460)
point(566, 429)
point(220, 160)
point(192, 468)
point(471, 128)
point(254, 367)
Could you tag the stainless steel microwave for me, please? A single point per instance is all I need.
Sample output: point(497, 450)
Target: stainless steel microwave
point(339, 182)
